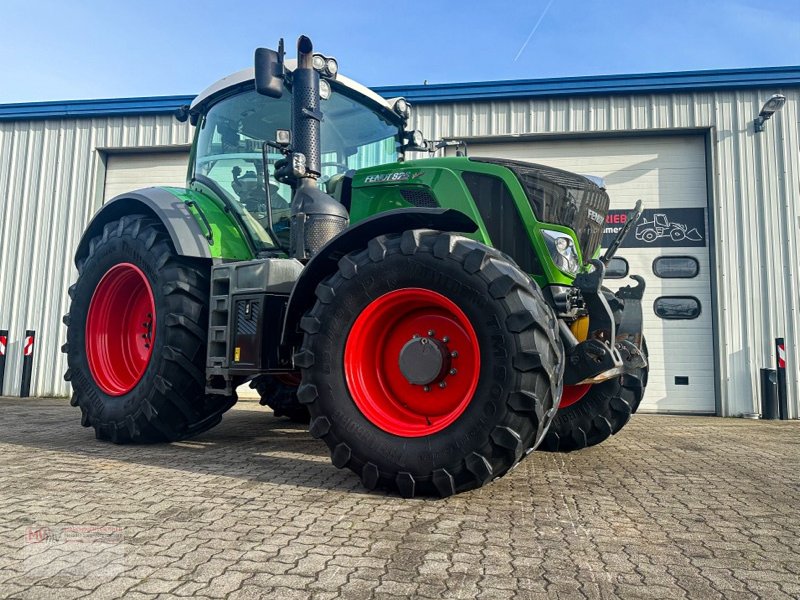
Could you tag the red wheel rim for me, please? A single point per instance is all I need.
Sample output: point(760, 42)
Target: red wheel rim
point(573, 393)
point(120, 329)
point(371, 362)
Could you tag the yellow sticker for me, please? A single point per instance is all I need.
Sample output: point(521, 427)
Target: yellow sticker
point(236, 352)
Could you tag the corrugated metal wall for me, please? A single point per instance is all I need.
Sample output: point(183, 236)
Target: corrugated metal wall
point(755, 205)
point(49, 179)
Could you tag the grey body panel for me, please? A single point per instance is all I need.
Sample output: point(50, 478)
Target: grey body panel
point(183, 229)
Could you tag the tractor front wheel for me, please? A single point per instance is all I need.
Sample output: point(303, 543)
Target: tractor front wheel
point(136, 337)
point(590, 414)
point(431, 364)
point(279, 392)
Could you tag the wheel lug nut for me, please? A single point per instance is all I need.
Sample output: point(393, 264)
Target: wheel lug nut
point(453, 371)
point(415, 336)
point(427, 388)
point(445, 339)
point(454, 354)
point(431, 332)
point(443, 385)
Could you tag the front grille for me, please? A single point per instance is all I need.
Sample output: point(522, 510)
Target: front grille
point(562, 198)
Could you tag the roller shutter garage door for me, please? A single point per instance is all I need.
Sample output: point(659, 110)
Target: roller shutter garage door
point(670, 249)
point(126, 172)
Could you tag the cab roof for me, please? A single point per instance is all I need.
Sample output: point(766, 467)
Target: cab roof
point(244, 76)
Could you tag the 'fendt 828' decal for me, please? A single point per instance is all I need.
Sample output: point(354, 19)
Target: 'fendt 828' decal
point(391, 177)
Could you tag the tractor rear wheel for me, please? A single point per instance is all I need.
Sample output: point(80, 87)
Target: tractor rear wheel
point(136, 337)
point(431, 364)
point(590, 414)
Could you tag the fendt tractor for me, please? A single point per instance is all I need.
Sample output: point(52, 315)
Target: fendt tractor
point(432, 320)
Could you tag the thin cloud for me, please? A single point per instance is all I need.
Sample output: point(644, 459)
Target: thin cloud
point(535, 27)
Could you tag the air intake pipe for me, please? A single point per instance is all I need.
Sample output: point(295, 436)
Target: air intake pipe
point(316, 217)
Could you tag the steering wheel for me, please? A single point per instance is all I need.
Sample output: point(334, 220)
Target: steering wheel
point(340, 168)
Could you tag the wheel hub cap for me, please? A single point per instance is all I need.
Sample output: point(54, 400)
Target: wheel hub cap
point(424, 360)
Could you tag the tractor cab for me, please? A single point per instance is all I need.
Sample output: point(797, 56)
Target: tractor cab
point(234, 123)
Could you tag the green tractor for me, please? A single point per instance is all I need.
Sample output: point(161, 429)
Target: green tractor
point(433, 320)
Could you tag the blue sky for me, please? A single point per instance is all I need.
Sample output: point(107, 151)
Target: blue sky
point(55, 50)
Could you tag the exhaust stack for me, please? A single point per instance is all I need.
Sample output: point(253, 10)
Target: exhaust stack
point(315, 217)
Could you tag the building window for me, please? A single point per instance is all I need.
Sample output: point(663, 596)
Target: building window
point(617, 268)
point(677, 307)
point(676, 267)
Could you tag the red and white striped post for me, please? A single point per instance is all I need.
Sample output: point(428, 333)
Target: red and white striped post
point(27, 363)
point(3, 349)
point(783, 400)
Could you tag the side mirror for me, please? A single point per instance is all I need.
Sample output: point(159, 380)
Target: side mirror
point(269, 71)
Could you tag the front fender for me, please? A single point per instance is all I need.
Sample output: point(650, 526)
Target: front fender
point(356, 237)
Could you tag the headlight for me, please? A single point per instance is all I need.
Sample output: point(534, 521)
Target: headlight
point(562, 251)
point(324, 89)
point(326, 66)
point(402, 108)
point(332, 66)
point(318, 62)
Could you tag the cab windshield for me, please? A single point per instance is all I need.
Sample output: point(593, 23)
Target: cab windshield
point(229, 152)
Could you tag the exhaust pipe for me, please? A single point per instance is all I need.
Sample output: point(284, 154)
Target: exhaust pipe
point(306, 115)
point(315, 217)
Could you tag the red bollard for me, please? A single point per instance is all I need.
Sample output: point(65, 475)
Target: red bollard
point(3, 347)
point(27, 364)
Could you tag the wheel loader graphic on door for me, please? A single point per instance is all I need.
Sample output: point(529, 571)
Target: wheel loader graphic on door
point(660, 227)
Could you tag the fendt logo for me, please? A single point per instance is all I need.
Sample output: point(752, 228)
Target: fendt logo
point(391, 177)
point(595, 216)
point(3, 342)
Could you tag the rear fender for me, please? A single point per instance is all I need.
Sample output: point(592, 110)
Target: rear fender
point(197, 227)
point(356, 237)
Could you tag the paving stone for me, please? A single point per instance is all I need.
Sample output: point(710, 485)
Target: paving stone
point(672, 507)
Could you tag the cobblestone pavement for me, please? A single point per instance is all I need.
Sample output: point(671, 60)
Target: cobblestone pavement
point(672, 507)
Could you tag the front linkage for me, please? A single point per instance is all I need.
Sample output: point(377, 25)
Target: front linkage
point(613, 346)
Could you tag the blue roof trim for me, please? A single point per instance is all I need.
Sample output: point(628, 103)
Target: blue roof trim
point(764, 77)
point(92, 108)
point(598, 85)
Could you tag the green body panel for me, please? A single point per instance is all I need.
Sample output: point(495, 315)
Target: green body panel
point(229, 242)
point(377, 189)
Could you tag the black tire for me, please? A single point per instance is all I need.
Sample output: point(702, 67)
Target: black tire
point(638, 382)
point(281, 398)
point(602, 412)
point(169, 402)
point(519, 384)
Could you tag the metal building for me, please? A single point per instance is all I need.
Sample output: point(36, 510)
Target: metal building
point(718, 246)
